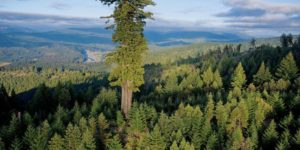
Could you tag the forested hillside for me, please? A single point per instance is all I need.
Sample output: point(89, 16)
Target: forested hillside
point(225, 98)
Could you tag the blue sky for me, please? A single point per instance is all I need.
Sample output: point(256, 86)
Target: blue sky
point(252, 17)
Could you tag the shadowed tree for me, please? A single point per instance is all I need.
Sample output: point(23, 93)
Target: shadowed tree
point(284, 40)
point(253, 43)
point(129, 21)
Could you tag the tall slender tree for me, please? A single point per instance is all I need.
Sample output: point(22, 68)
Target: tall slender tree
point(129, 21)
point(239, 77)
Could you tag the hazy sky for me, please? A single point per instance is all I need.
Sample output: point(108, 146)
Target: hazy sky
point(253, 17)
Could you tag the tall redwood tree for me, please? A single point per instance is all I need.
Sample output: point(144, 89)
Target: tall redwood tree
point(129, 21)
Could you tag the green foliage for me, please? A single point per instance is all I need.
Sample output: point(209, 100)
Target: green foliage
point(132, 43)
point(170, 112)
point(239, 78)
point(297, 138)
point(212, 80)
point(16, 144)
point(56, 143)
point(238, 117)
point(103, 126)
point(172, 85)
point(174, 146)
point(236, 139)
point(88, 141)
point(155, 140)
point(221, 115)
point(284, 143)
point(106, 101)
point(287, 69)
point(72, 138)
point(270, 135)
point(263, 75)
point(114, 143)
point(212, 142)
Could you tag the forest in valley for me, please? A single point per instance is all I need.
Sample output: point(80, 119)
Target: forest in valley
point(224, 99)
point(230, 96)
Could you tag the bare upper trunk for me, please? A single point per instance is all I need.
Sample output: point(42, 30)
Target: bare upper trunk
point(126, 100)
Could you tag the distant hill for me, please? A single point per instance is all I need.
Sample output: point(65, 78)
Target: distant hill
point(37, 39)
point(20, 44)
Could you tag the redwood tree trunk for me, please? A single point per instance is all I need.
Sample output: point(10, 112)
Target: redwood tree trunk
point(126, 100)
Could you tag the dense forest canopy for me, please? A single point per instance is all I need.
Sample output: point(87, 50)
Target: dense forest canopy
point(222, 99)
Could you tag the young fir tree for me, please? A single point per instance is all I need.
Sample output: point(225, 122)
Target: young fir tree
point(114, 143)
point(56, 143)
point(288, 68)
point(16, 144)
point(38, 138)
point(29, 136)
point(88, 141)
point(284, 142)
point(129, 21)
point(174, 146)
point(212, 142)
point(236, 139)
point(102, 126)
point(239, 77)
point(171, 85)
point(296, 139)
point(208, 78)
point(270, 136)
point(155, 140)
point(72, 138)
point(263, 75)
point(212, 80)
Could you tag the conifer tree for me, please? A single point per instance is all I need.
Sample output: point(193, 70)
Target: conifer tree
point(263, 75)
point(120, 121)
point(297, 139)
point(88, 141)
point(286, 121)
point(208, 77)
point(287, 69)
point(114, 143)
point(37, 139)
point(82, 124)
point(284, 40)
point(174, 146)
point(129, 21)
point(16, 144)
point(284, 142)
point(103, 126)
point(221, 114)
point(239, 78)
point(237, 139)
point(92, 123)
point(72, 137)
point(212, 142)
point(171, 85)
point(238, 117)
point(29, 136)
point(270, 136)
point(155, 140)
point(56, 143)
point(137, 121)
point(217, 80)
point(212, 80)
